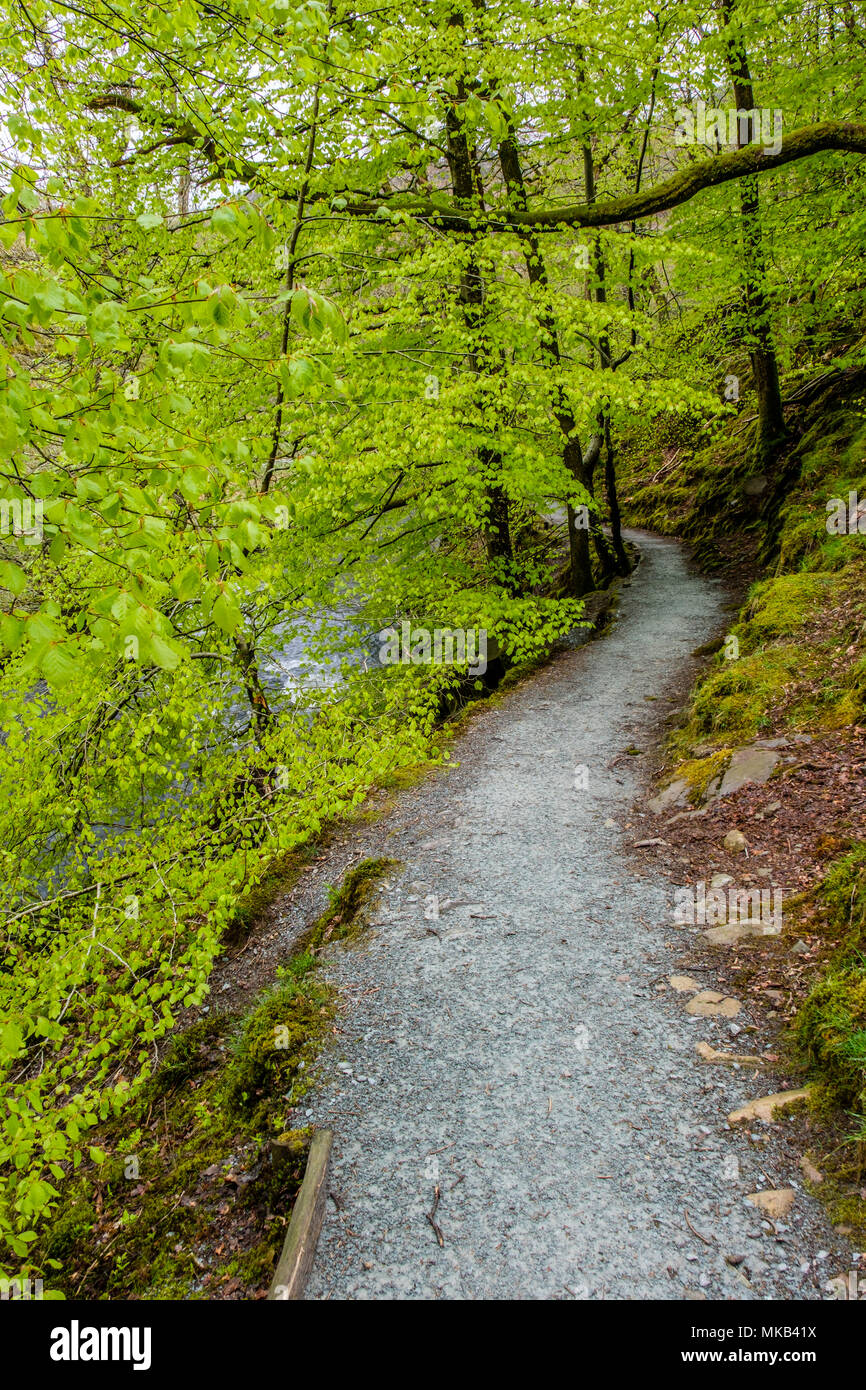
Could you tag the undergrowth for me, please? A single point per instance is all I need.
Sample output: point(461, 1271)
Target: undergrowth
point(189, 1191)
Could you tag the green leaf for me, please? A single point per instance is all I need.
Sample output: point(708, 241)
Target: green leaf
point(162, 654)
point(11, 1039)
point(12, 577)
point(58, 665)
point(188, 584)
point(226, 614)
point(224, 220)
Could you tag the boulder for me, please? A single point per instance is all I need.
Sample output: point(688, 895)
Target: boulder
point(748, 765)
point(735, 842)
point(675, 794)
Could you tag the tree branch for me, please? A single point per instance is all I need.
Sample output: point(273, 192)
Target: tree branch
point(670, 193)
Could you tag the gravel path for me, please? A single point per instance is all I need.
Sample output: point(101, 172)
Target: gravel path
point(518, 1053)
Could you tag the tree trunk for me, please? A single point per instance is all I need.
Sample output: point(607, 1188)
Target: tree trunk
point(765, 368)
point(271, 464)
point(263, 716)
point(466, 186)
point(580, 468)
point(613, 559)
point(622, 561)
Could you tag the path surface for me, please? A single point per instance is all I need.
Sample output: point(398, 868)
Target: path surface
point(517, 1052)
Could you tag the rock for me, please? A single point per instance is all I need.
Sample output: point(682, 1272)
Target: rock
point(748, 765)
point(694, 1295)
point(799, 948)
point(720, 880)
point(710, 1054)
point(735, 842)
point(732, 932)
point(773, 807)
point(810, 1172)
point(775, 1202)
point(686, 815)
point(675, 794)
point(764, 1107)
point(684, 984)
point(709, 1003)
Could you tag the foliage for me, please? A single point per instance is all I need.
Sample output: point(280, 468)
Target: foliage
point(282, 368)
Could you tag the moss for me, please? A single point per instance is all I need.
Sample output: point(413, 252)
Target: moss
point(695, 493)
point(71, 1227)
point(700, 773)
point(830, 1029)
point(736, 698)
point(273, 1053)
point(846, 1207)
point(186, 1056)
point(842, 897)
point(401, 778)
point(781, 606)
point(343, 917)
point(831, 1033)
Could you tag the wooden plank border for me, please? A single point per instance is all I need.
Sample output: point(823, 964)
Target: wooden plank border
point(302, 1237)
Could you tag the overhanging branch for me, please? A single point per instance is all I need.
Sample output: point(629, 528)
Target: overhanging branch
point(670, 193)
point(449, 215)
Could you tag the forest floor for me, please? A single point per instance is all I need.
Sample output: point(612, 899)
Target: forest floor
point(518, 1105)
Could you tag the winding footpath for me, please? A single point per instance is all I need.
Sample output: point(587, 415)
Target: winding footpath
point(518, 1055)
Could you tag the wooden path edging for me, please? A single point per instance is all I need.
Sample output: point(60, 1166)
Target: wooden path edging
point(302, 1237)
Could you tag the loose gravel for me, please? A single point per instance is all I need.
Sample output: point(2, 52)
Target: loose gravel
point(519, 1110)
